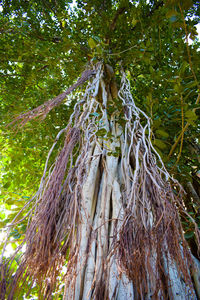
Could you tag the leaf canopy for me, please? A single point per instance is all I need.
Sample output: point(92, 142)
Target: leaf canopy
point(46, 45)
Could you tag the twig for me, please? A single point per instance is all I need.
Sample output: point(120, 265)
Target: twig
point(182, 132)
point(122, 51)
point(188, 49)
point(182, 124)
point(195, 78)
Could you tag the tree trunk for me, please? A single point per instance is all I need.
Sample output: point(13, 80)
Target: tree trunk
point(125, 205)
point(109, 205)
point(101, 212)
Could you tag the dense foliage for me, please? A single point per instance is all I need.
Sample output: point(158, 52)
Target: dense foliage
point(46, 45)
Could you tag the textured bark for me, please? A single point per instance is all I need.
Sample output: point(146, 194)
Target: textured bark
point(107, 205)
point(98, 272)
point(102, 201)
point(196, 275)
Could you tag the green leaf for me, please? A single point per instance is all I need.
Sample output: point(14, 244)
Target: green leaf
point(134, 21)
point(183, 67)
point(178, 88)
point(171, 13)
point(190, 85)
point(190, 115)
point(10, 201)
point(6, 185)
point(189, 234)
point(91, 43)
point(63, 22)
point(160, 144)
point(101, 132)
point(156, 123)
point(184, 223)
point(162, 133)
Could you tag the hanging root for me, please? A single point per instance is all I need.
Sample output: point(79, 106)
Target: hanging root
point(150, 241)
point(42, 110)
point(43, 256)
point(42, 237)
point(113, 217)
point(55, 214)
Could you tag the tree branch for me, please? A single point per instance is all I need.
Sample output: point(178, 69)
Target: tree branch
point(182, 132)
point(118, 13)
point(44, 109)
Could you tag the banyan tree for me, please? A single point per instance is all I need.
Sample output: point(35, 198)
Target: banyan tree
point(108, 218)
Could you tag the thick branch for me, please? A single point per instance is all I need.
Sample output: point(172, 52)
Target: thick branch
point(118, 13)
point(113, 24)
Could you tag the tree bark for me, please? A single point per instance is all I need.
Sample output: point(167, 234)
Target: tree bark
point(108, 205)
point(99, 274)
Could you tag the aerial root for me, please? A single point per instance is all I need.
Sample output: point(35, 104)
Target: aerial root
point(42, 110)
point(110, 215)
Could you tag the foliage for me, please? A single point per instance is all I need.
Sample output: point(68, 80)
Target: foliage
point(46, 45)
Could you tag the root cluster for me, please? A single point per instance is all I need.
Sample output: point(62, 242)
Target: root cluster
point(107, 205)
